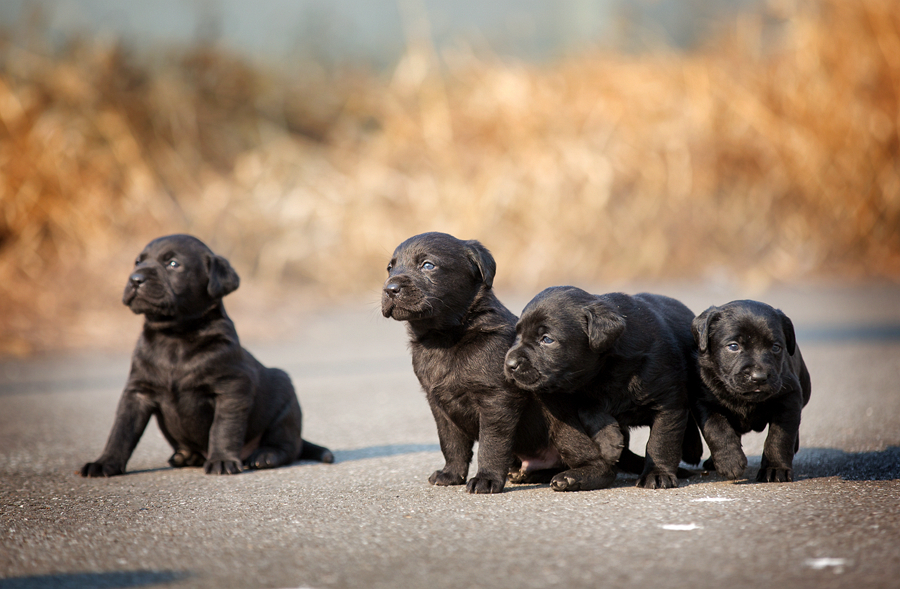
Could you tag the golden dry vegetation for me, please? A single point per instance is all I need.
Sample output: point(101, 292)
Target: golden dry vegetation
point(773, 155)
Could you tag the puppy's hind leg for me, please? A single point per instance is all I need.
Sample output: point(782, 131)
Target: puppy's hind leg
point(183, 456)
point(592, 444)
point(280, 443)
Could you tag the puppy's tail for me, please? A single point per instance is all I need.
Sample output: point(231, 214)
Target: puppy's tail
point(311, 451)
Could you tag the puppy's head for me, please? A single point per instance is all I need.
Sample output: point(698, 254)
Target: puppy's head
point(745, 345)
point(434, 278)
point(561, 338)
point(177, 277)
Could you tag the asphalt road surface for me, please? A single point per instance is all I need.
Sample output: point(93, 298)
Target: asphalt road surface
point(372, 520)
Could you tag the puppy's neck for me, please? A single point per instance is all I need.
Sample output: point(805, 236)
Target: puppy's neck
point(483, 315)
point(185, 324)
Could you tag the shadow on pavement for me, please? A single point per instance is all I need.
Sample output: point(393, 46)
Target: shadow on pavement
point(809, 463)
point(381, 451)
point(112, 580)
point(850, 466)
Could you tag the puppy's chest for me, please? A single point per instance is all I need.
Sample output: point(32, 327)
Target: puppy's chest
point(746, 416)
point(447, 372)
point(172, 374)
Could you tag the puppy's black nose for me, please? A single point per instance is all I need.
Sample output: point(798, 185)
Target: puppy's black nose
point(392, 288)
point(758, 376)
point(512, 363)
point(137, 279)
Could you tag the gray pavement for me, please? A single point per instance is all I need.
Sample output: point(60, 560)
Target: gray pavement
point(372, 520)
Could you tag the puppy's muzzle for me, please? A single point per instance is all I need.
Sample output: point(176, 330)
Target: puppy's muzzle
point(389, 295)
point(517, 367)
point(757, 376)
point(137, 279)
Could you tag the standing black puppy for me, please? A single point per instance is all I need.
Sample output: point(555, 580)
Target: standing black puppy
point(213, 401)
point(755, 376)
point(459, 333)
point(601, 364)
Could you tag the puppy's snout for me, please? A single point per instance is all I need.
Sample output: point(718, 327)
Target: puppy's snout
point(758, 376)
point(512, 363)
point(137, 279)
point(392, 288)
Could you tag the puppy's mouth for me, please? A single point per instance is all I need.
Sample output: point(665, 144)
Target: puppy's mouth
point(756, 392)
point(148, 299)
point(525, 377)
point(406, 307)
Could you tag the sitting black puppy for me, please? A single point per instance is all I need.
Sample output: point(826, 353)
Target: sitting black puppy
point(214, 402)
point(459, 333)
point(601, 364)
point(754, 376)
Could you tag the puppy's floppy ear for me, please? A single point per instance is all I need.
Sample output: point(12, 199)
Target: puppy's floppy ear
point(483, 260)
point(222, 277)
point(604, 326)
point(700, 327)
point(787, 326)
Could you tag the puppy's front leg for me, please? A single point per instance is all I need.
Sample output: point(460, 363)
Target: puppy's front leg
point(495, 451)
point(132, 414)
point(728, 458)
point(226, 436)
point(664, 449)
point(456, 447)
point(777, 464)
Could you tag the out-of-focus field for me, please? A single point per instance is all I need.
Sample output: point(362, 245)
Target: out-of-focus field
point(771, 156)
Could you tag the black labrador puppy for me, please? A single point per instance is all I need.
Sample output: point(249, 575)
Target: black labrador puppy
point(215, 403)
point(601, 364)
point(754, 376)
point(459, 333)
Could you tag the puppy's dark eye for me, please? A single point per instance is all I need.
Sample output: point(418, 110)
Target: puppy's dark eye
point(776, 349)
point(546, 340)
point(733, 347)
point(137, 261)
point(173, 264)
point(390, 267)
point(427, 266)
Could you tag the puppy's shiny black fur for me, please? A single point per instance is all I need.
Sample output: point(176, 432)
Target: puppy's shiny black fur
point(601, 364)
point(754, 376)
point(459, 333)
point(215, 403)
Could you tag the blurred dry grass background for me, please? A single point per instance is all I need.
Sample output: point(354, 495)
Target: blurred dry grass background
point(774, 155)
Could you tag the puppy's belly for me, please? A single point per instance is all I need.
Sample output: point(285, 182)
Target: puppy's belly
point(547, 458)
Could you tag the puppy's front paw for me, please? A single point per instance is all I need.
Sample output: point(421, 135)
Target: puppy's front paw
point(445, 479)
point(585, 478)
point(730, 465)
point(101, 469)
point(184, 458)
point(483, 483)
point(657, 480)
point(774, 474)
point(222, 467)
